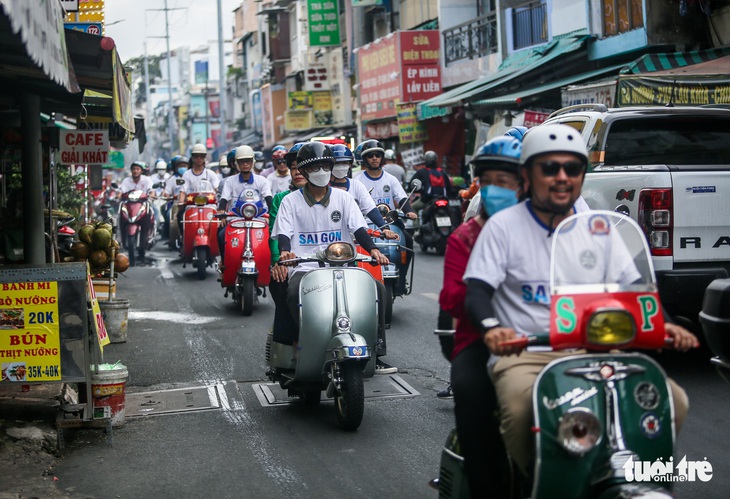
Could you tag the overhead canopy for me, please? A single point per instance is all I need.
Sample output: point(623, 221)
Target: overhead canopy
point(523, 96)
point(659, 62)
point(688, 85)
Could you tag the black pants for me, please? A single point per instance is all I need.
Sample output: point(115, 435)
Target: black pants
point(222, 242)
point(475, 406)
point(286, 315)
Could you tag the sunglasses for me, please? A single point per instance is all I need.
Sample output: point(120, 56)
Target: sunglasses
point(316, 168)
point(373, 155)
point(280, 161)
point(552, 168)
point(198, 155)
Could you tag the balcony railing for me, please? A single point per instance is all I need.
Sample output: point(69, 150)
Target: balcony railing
point(472, 39)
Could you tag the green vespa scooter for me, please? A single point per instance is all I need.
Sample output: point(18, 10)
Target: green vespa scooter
point(337, 335)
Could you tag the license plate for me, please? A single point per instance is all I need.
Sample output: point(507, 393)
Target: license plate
point(454, 202)
point(443, 222)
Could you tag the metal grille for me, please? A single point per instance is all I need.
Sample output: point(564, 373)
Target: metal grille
point(472, 39)
point(529, 25)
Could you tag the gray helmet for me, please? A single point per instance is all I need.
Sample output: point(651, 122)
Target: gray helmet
point(431, 159)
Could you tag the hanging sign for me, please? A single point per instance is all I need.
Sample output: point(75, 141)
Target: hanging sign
point(409, 128)
point(30, 341)
point(324, 23)
point(84, 147)
point(99, 327)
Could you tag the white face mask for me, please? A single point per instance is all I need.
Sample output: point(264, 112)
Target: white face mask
point(320, 178)
point(258, 166)
point(225, 170)
point(340, 171)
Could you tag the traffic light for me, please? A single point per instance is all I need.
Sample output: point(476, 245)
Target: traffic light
point(209, 143)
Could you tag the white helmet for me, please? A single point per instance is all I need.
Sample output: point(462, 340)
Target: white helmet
point(552, 138)
point(223, 161)
point(390, 154)
point(160, 165)
point(244, 152)
point(199, 149)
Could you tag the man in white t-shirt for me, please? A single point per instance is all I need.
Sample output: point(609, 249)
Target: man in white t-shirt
point(394, 168)
point(137, 181)
point(279, 179)
point(507, 277)
point(308, 220)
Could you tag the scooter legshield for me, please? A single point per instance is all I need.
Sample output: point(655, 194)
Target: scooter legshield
point(643, 406)
point(235, 243)
point(318, 293)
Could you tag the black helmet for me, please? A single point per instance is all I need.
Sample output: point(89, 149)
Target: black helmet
point(431, 159)
point(258, 156)
point(183, 159)
point(314, 151)
point(371, 145)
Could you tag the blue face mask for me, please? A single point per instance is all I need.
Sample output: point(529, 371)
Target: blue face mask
point(496, 199)
point(182, 170)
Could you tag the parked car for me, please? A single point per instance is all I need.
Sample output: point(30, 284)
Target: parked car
point(668, 168)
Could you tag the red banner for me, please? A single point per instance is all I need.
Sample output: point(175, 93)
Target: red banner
point(534, 118)
point(379, 66)
point(421, 73)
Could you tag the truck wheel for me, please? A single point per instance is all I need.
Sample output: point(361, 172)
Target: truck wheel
point(247, 296)
point(201, 255)
point(350, 403)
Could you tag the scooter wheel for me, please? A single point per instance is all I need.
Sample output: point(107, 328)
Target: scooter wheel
point(248, 294)
point(350, 402)
point(202, 259)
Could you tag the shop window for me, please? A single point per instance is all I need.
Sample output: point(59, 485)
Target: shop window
point(620, 16)
point(529, 25)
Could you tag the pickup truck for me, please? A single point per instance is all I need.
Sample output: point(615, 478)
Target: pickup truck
point(668, 168)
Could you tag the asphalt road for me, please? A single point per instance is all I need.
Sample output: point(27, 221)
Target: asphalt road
point(183, 334)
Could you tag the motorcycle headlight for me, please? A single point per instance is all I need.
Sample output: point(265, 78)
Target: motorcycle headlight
point(579, 431)
point(249, 211)
point(200, 200)
point(610, 327)
point(340, 252)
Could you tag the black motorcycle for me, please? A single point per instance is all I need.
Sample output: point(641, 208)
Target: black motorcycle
point(439, 219)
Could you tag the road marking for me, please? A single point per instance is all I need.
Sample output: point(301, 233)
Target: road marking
point(155, 315)
point(433, 296)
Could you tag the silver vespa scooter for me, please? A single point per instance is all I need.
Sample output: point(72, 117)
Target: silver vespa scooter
point(338, 317)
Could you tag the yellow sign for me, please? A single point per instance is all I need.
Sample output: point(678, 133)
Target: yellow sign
point(30, 341)
point(322, 108)
point(98, 324)
point(300, 100)
point(298, 120)
point(409, 128)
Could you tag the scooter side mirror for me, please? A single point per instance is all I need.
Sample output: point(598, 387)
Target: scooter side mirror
point(416, 184)
point(391, 216)
point(158, 185)
point(115, 185)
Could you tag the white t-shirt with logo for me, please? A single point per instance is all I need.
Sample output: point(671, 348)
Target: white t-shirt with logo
point(238, 191)
point(194, 183)
point(171, 186)
point(144, 184)
point(278, 184)
point(313, 228)
point(386, 189)
point(362, 197)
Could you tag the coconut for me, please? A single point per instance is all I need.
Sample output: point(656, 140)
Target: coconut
point(105, 227)
point(121, 262)
point(85, 233)
point(80, 250)
point(98, 258)
point(101, 238)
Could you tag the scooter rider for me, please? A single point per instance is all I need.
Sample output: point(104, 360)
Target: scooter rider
point(310, 219)
point(258, 162)
point(242, 187)
point(199, 173)
point(279, 179)
point(394, 168)
point(508, 279)
point(495, 167)
point(430, 176)
point(136, 181)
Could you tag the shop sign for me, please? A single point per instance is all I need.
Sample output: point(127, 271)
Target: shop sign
point(84, 147)
point(597, 93)
point(30, 342)
point(412, 157)
point(324, 23)
point(421, 72)
point(70, 5)
point(366, 3)
point(322, 109)
point(409, 128)
point(116, 160)
point(379, 68)
point(657, 91)
point(267, 116)
point(98, 324)
point(381, 130)
point(299, 100)
point(90, 28)
point(298, 120)
point(534, 118)
point(116, 131)
point(316, 77)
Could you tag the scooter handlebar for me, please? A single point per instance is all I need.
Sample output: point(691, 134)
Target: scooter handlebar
point(543, 339)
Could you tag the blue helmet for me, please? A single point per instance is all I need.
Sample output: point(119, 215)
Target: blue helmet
point(342, 153)
point(517, 132)
point(291, 155)
point(357, 154)
point(278, 148)
point(231, 158)
point(499, 153)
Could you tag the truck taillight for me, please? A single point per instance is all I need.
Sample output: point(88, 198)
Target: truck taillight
point(655, 217)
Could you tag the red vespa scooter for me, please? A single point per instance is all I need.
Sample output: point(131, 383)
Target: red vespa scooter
point(246, 261)
point(200, 229)
point(136, 224)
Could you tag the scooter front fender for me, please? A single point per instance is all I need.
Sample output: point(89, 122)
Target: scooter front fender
point(629, 397)
point(345, 346)
point(200, 240)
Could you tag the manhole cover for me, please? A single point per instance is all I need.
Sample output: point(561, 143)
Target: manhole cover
point(198, 398)
point(377, 387)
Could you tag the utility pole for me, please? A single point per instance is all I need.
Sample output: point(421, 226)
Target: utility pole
point(222, 92)
point(169, 75)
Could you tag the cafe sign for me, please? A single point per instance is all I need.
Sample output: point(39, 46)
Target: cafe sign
point(84, 147)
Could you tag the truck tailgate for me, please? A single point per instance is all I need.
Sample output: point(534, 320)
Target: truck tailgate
point(701, 216)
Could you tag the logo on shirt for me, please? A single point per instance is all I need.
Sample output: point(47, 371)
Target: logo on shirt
point(599, 225)
point(386, 188)
point(248, 193)
point(317, 238)
point(336, 216)
point(587, 259)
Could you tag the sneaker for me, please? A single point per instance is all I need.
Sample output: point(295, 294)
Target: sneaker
point(383, 368)
point(446, 393)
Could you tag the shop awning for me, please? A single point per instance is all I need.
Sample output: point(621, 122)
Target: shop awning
point(659, 62)
point(525, 95)
point(515, 65)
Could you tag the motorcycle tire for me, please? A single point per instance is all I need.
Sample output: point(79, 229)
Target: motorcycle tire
point(388, 298)
point(131, 245)
point(441, 247)
point(248, 294)
point(201, 253)
point(424, 248)
point(350, 402)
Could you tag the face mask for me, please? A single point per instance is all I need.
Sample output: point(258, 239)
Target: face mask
point(320, 178)
point(181, 170)
point(495, 198)
point(225, 171)
point(340, 171)
point(258, 166)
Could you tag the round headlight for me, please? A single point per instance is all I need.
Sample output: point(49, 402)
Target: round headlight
point(579, 431)
point(610, 327)
point(249, 211)
point(200, 200)
point(340, 252)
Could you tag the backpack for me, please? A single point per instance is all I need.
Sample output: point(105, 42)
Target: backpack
point(437, 183)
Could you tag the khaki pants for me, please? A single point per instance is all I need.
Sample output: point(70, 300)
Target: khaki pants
point(514, 377)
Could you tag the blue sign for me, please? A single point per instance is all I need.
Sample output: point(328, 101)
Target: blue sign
point(90, 28)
